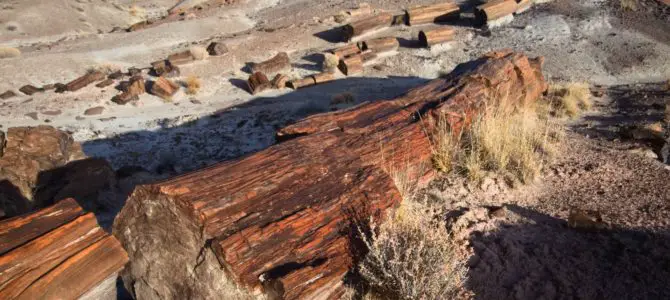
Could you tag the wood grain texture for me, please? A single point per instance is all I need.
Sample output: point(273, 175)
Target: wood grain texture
point(281, 221)
point(433, 37)
point(494, 10)
point(360, 27)
point(273, 65)
point(431, 13)
point(17, 231)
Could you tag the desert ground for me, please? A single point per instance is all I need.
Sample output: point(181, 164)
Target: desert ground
point(606, 161)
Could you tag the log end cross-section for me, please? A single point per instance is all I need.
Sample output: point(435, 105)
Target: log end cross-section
point(283, 220)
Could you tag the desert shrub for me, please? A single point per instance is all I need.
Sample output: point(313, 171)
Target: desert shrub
point(411, 256)
point(629, 4)
point(445, 146)
point(570, 99)
point(192, 84)
point(199, 52)
point(9, 52)
point(330, 62)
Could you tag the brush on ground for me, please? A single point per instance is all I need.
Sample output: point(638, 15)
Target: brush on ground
point(570, 99)
point(199, 52)
point(192, 84)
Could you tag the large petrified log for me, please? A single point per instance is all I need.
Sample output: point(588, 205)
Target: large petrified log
point(280, 221)
point(367, 25)
point(494, 10)
point(59, 252)
point(431, 13)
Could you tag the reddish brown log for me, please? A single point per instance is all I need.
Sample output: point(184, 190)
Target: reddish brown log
point(431, 13)
point(273, 65)
point(346, 51)
point(258, 82)
point(494, 10)
point(380, 45)
point(366, 25)
point(301, 83)
point(280, 221)
point(30, 90)
point(164, 88)
point(181, 58)
point(279, 82)
point(436, 36)
point(63, 255)
point(83, 81)
point(323, 77)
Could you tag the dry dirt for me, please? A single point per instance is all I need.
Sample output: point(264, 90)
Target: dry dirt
point(524, 251)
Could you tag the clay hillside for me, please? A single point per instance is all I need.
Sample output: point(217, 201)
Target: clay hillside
point(295, 149)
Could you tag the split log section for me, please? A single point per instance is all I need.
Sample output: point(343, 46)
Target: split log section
point(494, 10)
point(432, 13)
point(367, 25)
point(436, 36)
point(58, 252)
point(280, 221)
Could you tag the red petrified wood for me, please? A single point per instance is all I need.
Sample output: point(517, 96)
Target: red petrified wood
point(280, 221)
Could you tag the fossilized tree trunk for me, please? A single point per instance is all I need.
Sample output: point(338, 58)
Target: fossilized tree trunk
point(280, 221)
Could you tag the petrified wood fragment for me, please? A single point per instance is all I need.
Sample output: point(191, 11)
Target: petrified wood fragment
point(164, 88)
point(494, 10)
point(280, 221)
point(431, 13)
point(258, 82)
point(436, 36)
point(366, 25)
point(273, 65)
point(58, 253)
point(83, 81)
point(351, 65)
point(380, 45)
point(346, 51)
point(30, 89)
point(279, 82)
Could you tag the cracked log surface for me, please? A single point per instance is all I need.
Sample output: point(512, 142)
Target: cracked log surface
point(279, 221)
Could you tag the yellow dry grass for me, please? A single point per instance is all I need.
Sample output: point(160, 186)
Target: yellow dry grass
point(193, 84)
point(570, 99)
point(9, 52)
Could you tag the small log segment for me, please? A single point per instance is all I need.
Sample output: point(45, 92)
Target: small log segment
point(380, 45)
point(436, 36)
point(346, 51)
point(432, 13)
point(30, 89)
point(281, 221)
point(273, 65)
point(351, 65)
point(366, 25)
point(85, 80)
point(494, 10)
point(312, 80)
point(258, 82)
point(279, 82)
point(58, 252)
point(181, 58)
point(164, 88)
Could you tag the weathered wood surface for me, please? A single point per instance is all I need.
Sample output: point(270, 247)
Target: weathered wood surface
point(258, 82)
point(83, 81)
point(273, 65)
point(494, 10)
point(351, 65)
point(435, 13)
point(63, 255)
point(367, 25)
point(436, 36)
point(380, 45)
point(280, 221)
point(346, 51)
point(302, 82)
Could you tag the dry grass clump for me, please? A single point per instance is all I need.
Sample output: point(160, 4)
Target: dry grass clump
point(330, 62)
point(509, 140)
point(192, 84)
point(570, 99)
point(9, 52)
point(199, 52)
point(629, 4)
point(411, 256)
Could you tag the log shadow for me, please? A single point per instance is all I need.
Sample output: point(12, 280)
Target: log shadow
point(239, 83)
point(333, 35)
point(541, 257)
point(12, 202)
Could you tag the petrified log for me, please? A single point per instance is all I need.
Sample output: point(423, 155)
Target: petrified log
point(366, 25)
point(523, 5)
point(281, 221)
point(124, 98)
point(346, 51)
point(494, 10)
point(164, 88)
point(312, 80)
point(181, 58)
point(258, 82)
point(58, 253)
point(273, 65)
point(165, 68)
point(105, 83)
point(380, 45)
point(7, 95)
point(301, 83)
point(217, 49)
point(83, 81)
point(323, 77)
point(279, 82)
point(30, 89)
point(431, 13)
point(436, 36)
point(351, 65)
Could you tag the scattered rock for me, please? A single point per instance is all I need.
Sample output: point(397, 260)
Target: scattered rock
point(32, 115)
point(7, 95)
point(164, 88)
point(124, 98)
point(79, 118)
point(94, 111)
point(217, 49)
point(29, 89)
point(105, 83)
point(273, 65)
point(136, 86)
point(165, 68)
point(83, 81)
point(52, 112)
point(195, 101)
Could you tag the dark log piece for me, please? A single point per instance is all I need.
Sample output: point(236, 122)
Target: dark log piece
point(64, 255)
point(273, 65)
point(431, 13)
point(83, 81)
point(366, 25)
point(380, 45)
point(30, 89)
point(436, 36)
point(494, 10)
point(105, 83)
point(258, 82)
point(7, 95)
point(351, 65)
point(279, 82)
point(279, 221)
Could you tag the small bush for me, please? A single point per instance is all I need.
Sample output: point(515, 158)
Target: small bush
point(629, 4)
point(330, 62)
point(9, 52)
point(570, 99)
point(199, 52)
point(411, 256)
point(192, 84)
